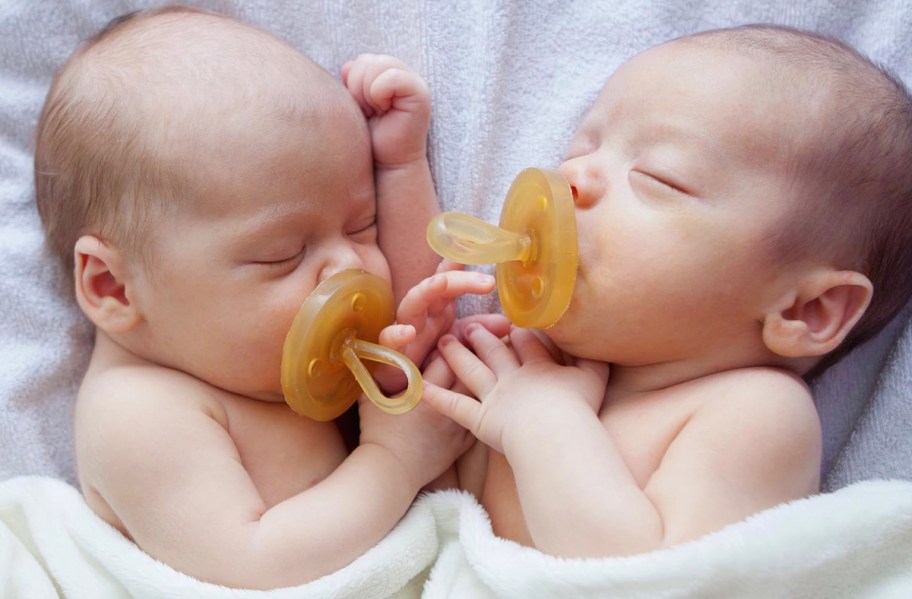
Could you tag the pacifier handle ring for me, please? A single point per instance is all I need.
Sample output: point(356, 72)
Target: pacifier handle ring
point(356, 349)
point(469, 240)
point(336, 327)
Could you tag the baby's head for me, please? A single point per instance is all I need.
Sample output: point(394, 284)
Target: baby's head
point(200, 177)
point(749, 183)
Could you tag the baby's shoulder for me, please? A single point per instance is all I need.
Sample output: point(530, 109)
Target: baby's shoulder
point(759, 405)
point(765, 388)
point(131, 395)
point(133, 422)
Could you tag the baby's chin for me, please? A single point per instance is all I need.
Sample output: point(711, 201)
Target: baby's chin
point(560, 335)
point(269, 396)
point(573, 342)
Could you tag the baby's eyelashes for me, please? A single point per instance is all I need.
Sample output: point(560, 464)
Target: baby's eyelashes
point(283, 262)
point(658, 183)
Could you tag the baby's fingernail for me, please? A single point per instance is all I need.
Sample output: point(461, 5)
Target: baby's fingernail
point(445, 340)
point(471, 328)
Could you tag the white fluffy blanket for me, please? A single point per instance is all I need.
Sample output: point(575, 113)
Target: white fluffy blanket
point(509, 81)
point(856, 542)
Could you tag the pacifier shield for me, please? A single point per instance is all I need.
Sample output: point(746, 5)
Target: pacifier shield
point(350, 304)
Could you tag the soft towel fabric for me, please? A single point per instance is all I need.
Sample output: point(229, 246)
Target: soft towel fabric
point(53, 545)
point(856, 542)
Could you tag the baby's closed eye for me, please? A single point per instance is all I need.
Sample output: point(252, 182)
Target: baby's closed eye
point(658, 182)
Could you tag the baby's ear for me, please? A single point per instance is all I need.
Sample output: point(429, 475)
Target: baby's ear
point(816, 315)
point(100, 285)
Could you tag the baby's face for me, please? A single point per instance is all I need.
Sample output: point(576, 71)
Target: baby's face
point(679, 173)
point(281, 205)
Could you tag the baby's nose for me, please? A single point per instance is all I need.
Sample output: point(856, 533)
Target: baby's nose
point(585, 178)
point(340, 257)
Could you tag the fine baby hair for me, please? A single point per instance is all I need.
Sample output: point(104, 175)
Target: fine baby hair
point(853, 171)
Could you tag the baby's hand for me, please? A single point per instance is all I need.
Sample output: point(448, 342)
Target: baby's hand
point(396, 102)
point(519, 386)
point(424, 442)
point(428, 311)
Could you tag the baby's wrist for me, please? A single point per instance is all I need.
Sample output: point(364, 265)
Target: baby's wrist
point(541, 425)
point(412, 163)
point(400, 472)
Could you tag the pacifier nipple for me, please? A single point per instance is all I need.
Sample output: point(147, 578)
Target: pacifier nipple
point(336, 328)
point(534, 248)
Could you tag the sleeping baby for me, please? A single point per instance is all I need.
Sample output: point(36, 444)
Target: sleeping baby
point(199, 177)
point(744, 211)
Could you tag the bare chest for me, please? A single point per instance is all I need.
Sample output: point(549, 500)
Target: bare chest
point(643, 429)
point(283, 453)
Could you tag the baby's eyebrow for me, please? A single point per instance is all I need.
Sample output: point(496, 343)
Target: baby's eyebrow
point(688, 136)
point(272, 224)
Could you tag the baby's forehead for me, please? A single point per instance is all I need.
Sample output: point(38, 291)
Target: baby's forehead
point(722, 85)
point(678, 72)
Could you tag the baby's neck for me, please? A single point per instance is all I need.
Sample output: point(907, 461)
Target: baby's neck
point(625, 381)
point(639, 379)
point(108, 352)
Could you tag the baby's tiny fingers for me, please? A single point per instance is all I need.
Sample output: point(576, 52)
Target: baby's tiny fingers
point(498, 324)
point(397, 335)
point(353, 74)
point(438, 372)
point(447, 265)
point(398, 85)
point(469, 369)
point(528, 346)
point(461, 409)
point(414, 306)
point(491, 350)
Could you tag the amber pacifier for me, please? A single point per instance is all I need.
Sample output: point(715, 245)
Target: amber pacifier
point(336, 328)
point(534, 248)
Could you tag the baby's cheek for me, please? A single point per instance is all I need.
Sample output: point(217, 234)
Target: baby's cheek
point(263, 357)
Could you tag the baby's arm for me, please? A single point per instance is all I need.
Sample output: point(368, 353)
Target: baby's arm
point(167, 466)
point(751, 446)
point(755, 442)
point(397, 104)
